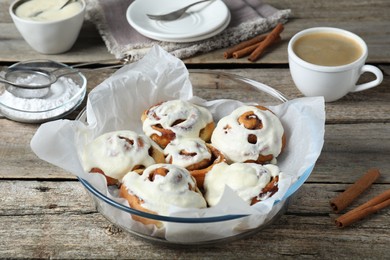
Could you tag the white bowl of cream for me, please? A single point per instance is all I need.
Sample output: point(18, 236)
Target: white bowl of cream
point(48, 27)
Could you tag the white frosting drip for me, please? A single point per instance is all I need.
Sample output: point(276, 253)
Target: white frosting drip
point(231, 138)
point(115, 156)
point(246, 179)
point(166, 114)
point(164, 191)
point(194, 146)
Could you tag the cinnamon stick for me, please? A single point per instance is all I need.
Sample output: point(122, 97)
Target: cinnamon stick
point(248, 50)
point(268, 41)
point(370, 207)
point(352, 192)
point(229, 52)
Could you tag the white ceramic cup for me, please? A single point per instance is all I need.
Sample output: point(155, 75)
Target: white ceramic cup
point(49, 37)
point(331, 82)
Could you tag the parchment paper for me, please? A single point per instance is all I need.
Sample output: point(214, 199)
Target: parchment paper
point(117, 104)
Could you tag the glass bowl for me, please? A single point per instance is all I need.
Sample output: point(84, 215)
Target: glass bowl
point(205, 84)
point(64, 96)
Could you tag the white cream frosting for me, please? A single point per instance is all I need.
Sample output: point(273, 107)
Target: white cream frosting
point(44, 10)
point(231, 138)
point(115, 155)
point(246, 179)
point(160, 194)
point(166, 114)
point(186, 151)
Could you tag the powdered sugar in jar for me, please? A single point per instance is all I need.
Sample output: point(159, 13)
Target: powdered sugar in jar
point(63, 97)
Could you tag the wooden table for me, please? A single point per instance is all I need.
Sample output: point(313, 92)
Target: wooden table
point(46, 213)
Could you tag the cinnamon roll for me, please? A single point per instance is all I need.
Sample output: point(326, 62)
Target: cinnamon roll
point(250, 134)
point(252, 182)
point(173, 119)
point(115, 153)
point(195, 155)
point(159, 187)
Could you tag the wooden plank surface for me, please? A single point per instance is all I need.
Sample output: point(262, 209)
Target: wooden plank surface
point(344, 14)
point(16, 136)
point(49, 207)
point(46, 213)
point(41, 199)
point(347, 110)
point(362, 146)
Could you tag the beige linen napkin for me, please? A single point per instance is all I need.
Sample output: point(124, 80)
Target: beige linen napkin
point(248, 18)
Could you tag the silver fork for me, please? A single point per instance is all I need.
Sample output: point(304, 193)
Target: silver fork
point(175, 14)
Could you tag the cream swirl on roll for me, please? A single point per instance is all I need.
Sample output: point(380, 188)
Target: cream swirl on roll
point(186, 152)
point(116, 153)
point(161, 186)
point(195, 155)
point(249, 134)
point(177, 119)
point(252, 182)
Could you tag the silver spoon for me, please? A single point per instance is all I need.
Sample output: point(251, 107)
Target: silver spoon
point(175, 14)
point(43, 78)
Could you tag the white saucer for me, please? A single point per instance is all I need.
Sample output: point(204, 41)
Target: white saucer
point(200, 22)
point(196, 38)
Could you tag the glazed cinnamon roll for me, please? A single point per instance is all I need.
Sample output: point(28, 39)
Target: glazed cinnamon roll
point(173, 119)
point(195, 155)
point(252, 182)
point(115, 153)
point(250, 134)
point(159, 187)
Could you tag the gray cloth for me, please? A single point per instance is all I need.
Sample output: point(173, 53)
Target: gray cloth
point(248, 18)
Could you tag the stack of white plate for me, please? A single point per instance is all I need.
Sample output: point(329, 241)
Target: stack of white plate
point(200, 22)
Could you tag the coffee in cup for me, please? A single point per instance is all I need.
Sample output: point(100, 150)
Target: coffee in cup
point(328, 62)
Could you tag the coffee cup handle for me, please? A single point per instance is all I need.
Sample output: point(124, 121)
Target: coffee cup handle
point(377, 72)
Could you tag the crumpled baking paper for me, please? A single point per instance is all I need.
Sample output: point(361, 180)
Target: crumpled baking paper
point(117, 104)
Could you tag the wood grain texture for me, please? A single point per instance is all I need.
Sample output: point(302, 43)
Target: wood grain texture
point(61, 222)
point(46, 213)
point(347, 110)
point(345, 146)
point(343, 14)
point(349, 131)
